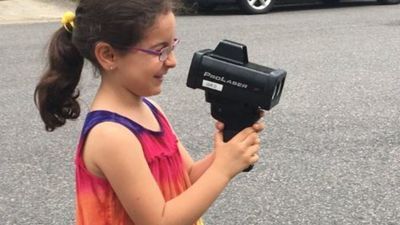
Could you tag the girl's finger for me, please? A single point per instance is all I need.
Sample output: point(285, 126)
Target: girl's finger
point(218, 137)
point(254, 158)
point(253, 150)
point(261, 113)
point(258, 126)
point(219, 125)
point(251, 139)
point(242, 135)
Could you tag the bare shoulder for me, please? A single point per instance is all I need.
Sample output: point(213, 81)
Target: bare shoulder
point(109, 136)
point(105, 142)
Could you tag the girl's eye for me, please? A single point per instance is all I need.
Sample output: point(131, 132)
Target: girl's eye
point(160, 48)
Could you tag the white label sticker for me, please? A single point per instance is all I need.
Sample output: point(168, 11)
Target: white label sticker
point(212, 85)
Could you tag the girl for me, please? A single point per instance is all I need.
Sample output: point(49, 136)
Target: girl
point(130, 166)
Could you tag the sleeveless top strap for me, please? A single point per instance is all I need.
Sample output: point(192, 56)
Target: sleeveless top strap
point(95, 117)
point(152, 107)
point(98, 116)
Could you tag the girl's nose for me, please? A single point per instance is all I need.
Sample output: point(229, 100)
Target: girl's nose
point(171, 60)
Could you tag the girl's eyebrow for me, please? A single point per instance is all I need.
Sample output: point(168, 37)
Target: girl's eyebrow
point(160, 44)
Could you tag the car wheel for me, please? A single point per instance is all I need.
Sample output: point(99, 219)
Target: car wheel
point(256, 6)
point(389, 2)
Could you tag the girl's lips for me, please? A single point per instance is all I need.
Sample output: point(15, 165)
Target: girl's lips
point(159, 77)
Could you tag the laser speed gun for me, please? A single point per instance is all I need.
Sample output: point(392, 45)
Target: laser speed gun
point(236, 88)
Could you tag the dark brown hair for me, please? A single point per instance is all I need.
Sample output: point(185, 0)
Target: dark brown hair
point(120, 23)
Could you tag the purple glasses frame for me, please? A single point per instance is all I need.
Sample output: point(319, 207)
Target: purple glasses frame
point(163, 53)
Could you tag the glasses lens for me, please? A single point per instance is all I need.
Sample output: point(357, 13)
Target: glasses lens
point(164, 53)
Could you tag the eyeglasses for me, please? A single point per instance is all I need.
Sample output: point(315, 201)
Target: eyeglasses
point(163, 53)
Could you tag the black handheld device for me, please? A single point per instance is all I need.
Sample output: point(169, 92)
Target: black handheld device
point(236, 88)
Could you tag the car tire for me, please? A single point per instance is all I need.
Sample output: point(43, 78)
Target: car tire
point(388, 2)
point(256, 6)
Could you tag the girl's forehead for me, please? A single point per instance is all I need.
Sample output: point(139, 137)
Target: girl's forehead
point(164, 27)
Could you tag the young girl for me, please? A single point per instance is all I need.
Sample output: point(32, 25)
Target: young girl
point(130, 166)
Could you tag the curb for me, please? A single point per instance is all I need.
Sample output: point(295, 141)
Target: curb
point(32, 11)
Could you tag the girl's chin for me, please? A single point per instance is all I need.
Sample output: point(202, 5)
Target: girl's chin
point(155, 91)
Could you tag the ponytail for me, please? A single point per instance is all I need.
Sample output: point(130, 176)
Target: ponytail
point(122, 24)
point(56, 94)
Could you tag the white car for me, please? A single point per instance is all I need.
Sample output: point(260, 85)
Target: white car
point(258, 6)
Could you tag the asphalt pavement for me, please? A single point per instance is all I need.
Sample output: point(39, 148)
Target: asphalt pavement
point(331, 149)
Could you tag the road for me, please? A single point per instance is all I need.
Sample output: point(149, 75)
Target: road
point(331, 149)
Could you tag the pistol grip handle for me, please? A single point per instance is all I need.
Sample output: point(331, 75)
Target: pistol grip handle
point(235, 119)
point(228, 134)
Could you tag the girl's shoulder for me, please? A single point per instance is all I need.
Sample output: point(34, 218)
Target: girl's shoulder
point(103, 141)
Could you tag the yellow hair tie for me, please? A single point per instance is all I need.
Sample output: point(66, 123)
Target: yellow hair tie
point(68, 21)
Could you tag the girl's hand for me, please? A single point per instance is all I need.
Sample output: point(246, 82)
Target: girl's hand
point(240, 152)
point(258, 126)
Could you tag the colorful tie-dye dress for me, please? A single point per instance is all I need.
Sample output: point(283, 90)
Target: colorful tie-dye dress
point(96, 202)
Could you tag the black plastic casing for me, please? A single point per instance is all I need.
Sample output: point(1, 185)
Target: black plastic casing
point(227, 73)
point(236, 88)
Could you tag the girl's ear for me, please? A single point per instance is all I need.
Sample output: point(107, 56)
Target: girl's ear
point(105, 55)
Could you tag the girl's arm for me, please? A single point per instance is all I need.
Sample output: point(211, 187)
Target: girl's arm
point(195, 169)
point(117, 153)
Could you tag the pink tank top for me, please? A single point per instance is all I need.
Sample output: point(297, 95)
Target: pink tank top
point(96, 202)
